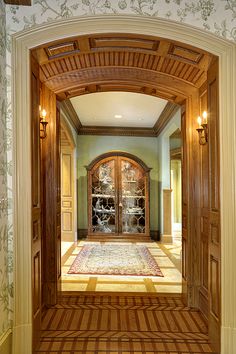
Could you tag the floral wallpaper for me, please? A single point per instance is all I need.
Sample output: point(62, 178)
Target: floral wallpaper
point(216, 16)
point(5, 255)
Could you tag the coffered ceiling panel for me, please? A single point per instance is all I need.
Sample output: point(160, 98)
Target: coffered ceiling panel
point(129, 63)
point(123, 62)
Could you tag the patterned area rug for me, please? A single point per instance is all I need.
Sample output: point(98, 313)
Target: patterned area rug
point(115, 260)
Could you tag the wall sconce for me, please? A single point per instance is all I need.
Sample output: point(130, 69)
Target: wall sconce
point(202, 128)
point(43, 132)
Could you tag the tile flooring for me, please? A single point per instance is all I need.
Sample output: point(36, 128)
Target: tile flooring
point(167, 257)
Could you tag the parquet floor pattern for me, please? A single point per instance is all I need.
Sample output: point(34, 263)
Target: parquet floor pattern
point(110, 324)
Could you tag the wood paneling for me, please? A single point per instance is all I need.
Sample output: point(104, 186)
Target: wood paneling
point(36, 201)
point(109, 323)
point(185, 203)
point(66, 174)
point(214, 210)
point(72, 63)
point(204, 213)
point(51, 197)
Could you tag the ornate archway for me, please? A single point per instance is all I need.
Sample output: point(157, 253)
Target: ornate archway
point(22, 44)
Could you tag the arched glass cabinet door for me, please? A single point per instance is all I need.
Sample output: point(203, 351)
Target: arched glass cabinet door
point(103, 200)
point(118, 196)
point(132, 197)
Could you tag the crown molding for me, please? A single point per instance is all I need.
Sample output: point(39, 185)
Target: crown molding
point(71, 114)
point(116, 131)
point(166, 115)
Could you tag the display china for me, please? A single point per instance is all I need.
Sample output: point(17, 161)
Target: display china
point(118, 196)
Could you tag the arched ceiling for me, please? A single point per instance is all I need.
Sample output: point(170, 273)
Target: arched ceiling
point(122, 62)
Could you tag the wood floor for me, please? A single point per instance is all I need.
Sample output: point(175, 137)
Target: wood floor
point(120, 324)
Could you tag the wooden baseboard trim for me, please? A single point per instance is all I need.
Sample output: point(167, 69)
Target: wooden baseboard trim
point(154, 236)
point(82, 233)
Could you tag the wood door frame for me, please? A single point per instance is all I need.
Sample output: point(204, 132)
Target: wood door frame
point(22, 43)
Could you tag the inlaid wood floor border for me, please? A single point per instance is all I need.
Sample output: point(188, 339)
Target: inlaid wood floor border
point(108, 324)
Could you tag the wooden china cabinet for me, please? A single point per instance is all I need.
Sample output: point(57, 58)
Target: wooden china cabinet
point(118, 197)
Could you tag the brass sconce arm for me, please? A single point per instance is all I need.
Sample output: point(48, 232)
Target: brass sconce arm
point(43, 131)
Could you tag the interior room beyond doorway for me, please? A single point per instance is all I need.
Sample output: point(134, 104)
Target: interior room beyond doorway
point(167, 257)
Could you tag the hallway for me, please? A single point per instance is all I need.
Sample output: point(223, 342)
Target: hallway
point(167, 256)
point(122, 324)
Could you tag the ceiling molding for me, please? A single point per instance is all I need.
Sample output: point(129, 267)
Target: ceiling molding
point(155, 90)
point(176, 154)
point(166, 115)
point(116, 131)
point(18, 2)
point(71, 114)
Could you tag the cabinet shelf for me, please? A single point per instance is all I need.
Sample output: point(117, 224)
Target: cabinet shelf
point(129, 181)
point(103, 195)
point(133, 196)
point(104, 211)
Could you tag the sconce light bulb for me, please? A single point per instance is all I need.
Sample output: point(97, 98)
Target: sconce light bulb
point(43, 115)
point(204, 116)
point(199, 120)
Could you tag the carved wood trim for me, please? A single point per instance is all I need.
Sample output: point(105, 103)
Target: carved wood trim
point(116, 131)
point(166, 115)
point(71, 114)
point(118, 153)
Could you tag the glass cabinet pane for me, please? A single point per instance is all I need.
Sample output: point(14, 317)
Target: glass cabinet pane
point(104, 198)
point(133, 194)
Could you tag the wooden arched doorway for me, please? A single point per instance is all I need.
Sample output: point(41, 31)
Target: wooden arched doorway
point(204, 42)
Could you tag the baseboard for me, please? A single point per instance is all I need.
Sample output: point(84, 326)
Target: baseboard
point(68, 237)
point(166, 238)
point(155, 234)
point(82, 233)
point(6, 342)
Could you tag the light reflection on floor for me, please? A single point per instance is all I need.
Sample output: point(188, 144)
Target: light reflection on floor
point(168, 257)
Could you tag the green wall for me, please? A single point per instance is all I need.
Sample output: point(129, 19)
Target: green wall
point(90, 147)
